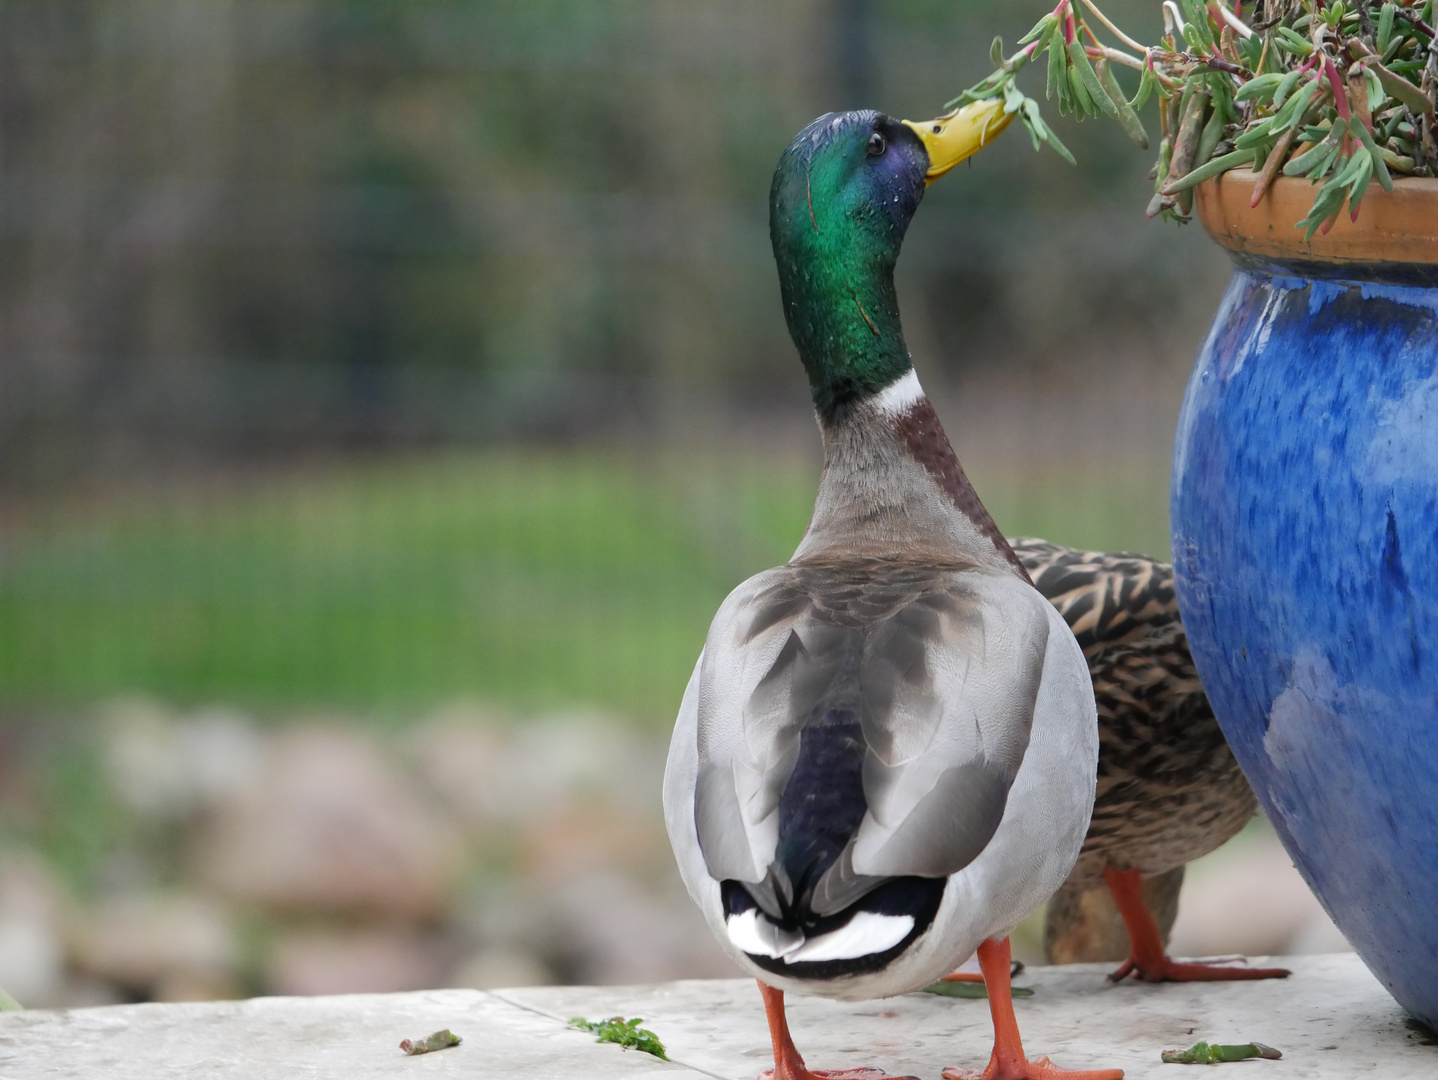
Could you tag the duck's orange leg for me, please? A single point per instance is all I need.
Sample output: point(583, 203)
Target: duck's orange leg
point(1147, 959)
point(1008, 1061)
point(978, 976)
point(788, 1065)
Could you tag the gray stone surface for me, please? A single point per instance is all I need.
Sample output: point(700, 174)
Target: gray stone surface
point(1331, 1020)
point(351, 1037)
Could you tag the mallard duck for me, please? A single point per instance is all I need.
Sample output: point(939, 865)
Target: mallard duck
point(886, 755)
point(1169, 789)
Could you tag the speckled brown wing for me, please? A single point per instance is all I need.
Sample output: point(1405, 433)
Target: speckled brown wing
point(1105, 597)
point(1169, 789)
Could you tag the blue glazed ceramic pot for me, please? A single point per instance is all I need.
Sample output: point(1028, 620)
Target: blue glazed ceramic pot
point(1305, 543)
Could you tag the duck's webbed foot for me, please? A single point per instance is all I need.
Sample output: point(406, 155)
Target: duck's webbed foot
point(788, 1065)
point(831, 1074)
point(1008, 1061)
point(1147, 959)
point(1040, 1069)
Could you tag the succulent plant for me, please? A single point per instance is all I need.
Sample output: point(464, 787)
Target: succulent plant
point(1315, 88)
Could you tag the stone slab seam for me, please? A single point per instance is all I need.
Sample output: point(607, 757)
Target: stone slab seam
point(564, 1021)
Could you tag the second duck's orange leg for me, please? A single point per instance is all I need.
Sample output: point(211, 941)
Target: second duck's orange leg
point(1147, 959)
point(1008, 1061)
point(978, 976)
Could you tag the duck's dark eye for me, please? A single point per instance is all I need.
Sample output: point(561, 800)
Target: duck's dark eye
point(877, 144)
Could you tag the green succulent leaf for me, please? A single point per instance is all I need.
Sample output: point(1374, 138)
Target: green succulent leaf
point(1380, 167)
point(1041, 29)
point(1260, 88)
point(1202, 1053)
point(1058, 77)
point(1210, 169)
point(1309, 159)
point(1127, 118)
point(1229, 99)
point(1285, 87)
point(972, 990)
point(625, 1033)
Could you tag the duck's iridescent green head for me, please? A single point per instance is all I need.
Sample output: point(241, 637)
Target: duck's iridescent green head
point(842, 198)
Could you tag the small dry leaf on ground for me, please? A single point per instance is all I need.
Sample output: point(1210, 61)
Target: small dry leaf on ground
point(440, 1040)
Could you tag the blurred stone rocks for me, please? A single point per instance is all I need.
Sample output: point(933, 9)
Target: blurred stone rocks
point(618, 931)
point(499, 966)
point(328, 823)
point(33, 912)
point(165, 947)
point(512, 773)
point(164, 766)
point(349, 961)
point(470, 848)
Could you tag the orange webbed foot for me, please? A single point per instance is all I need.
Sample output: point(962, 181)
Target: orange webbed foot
point(1041, 1069)
point(1166, 970)
point(1008, 1061)
point(788, 1065)
point(1147, 960)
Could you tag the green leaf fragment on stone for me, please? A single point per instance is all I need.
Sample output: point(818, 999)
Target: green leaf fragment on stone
point(1202, 1053)
point(971, 990)
point(627, 1033)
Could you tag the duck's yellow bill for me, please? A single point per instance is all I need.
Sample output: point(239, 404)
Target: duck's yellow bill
point(961, 134)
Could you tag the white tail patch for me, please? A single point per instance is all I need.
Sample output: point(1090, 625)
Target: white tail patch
point(865, 934)
point(899, 396)
point(755, 934)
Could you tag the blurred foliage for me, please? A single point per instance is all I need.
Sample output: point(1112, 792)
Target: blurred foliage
point(234, 229)
point(69, 810)
point(533, 579)
point(438, 247)
point(536, 580)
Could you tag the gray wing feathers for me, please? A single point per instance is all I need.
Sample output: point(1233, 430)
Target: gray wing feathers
point(740, 778)
point(944, 695)
point(944, 831)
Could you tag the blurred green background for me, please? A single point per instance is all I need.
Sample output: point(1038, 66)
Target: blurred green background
point(366, 361)
point(375, 354)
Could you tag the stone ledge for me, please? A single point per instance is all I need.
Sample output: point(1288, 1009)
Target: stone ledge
point(1331, 1020)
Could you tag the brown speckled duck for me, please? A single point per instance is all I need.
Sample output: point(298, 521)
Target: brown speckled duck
point(1169, 789)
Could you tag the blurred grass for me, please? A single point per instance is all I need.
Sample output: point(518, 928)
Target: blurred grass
point(528, 579)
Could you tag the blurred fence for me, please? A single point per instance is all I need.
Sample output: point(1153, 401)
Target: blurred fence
point(284, 282)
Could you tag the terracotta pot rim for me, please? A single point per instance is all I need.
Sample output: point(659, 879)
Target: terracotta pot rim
point(1395, 237)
